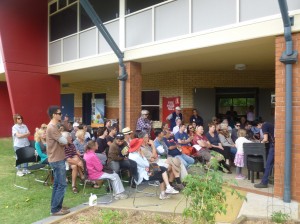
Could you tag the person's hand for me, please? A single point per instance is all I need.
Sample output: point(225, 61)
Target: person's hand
point(147, 169)
point(150, 142)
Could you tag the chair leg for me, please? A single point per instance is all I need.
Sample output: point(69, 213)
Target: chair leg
point(252, 176)
point(257, 175)
point(248, 174)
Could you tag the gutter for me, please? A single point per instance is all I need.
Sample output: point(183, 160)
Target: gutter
point(123, 75)
point(288, 58)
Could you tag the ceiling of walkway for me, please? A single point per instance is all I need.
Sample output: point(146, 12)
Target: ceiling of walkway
point(257, 55)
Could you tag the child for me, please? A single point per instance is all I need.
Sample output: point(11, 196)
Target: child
point(239, 156)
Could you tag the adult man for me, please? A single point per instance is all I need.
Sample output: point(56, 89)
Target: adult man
point(196, 118)
point(183, 140)
point(268, 132)
point(56, 157)
point(143, 123)
point(176, 128)
point(172, 117)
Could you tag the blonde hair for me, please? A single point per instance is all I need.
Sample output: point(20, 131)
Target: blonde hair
point(80, 133)
point(242, 133)
point(38, 135)
point(90, 144)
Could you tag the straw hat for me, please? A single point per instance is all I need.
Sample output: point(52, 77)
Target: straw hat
point(126, 131)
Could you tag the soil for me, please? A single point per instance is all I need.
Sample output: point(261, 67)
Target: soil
point(266, 221)
point(105, 216)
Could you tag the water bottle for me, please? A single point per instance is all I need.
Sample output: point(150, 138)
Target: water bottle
point(93, 200)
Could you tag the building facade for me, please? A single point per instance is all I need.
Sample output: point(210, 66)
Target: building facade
point(208, 57)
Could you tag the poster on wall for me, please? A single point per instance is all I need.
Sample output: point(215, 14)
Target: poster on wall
point(169, 104)
point(98, 112)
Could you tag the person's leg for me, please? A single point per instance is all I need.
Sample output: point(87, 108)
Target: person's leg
point(59, 185)
point(182, 160)
point(115, 166)
point(268, 169)
point(74, 175)
point(116, 183)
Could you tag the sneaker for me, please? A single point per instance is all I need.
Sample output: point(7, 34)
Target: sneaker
point(20, 173)
point(163, 196)
point(121, 196)
point(25, 171)
point(171, 190)
point(240, 177)
point(261, 185)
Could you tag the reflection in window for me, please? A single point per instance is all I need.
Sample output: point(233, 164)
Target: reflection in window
point(106, 10)
point(240, 105)
point(63, 23)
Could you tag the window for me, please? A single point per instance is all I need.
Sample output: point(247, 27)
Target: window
point(134, 5)
point(150, 102)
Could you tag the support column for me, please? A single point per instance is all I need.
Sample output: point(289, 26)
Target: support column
point(280, 121)
point(6, 120)
point(133, 98)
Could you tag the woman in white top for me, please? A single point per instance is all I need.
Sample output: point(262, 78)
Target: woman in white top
point(20, 135)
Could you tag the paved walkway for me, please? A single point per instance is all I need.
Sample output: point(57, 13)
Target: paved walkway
point(257, 205)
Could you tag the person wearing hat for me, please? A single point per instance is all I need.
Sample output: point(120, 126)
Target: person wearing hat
point(174, 167)
point(127, 134)
point(172, 117)
point(75, 129)
point(143, 123)
point(136, 154)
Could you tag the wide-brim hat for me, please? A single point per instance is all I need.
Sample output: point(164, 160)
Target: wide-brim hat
point(175, 162)
point(126, 131)
point(75, 124)
point(135, 144)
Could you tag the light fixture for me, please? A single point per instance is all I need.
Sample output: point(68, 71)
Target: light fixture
point(240, 67)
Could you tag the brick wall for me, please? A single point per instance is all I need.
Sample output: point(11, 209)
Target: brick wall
point(280, 121)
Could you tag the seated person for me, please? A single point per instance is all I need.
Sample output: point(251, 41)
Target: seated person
point(74, 160)
point(175, 151)
point(102, 150)
point(40, 145)
point(112, 131)
point(149, 151)
point(136, 154)
point(94, 168)
point(176, 128)
point(79, 141)
point(183, 140)
point(225, 139)
point(160, 146)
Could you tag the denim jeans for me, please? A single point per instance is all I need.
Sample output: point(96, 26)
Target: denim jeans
point(59, 185)
point(269, 165)
point(186, 160)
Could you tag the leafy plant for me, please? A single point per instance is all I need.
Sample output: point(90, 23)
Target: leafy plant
point(206, 195)
point(280, 217)
point(111, 216)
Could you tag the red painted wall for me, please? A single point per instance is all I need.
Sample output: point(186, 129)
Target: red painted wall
point(5, 111)
point(23, 33)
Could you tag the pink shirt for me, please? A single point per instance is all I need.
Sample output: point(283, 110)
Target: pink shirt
point(93, 165)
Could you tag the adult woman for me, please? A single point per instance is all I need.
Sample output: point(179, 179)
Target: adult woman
point(136, 154)
point(79, 141)
point(190, 129)
point(74, 160)
point(216, 145)
point(40, 145)
point(127, 134)
point(225, 139)
point(102, 150)
point(95, 171)
point(20, 135)
point(149, 151)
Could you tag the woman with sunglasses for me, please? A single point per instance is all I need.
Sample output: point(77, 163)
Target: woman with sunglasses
point(20, 135)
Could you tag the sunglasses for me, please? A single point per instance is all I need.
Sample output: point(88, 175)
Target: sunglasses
point(191, 128)
point(19, 118)
point(59, 113)
point(237, 125)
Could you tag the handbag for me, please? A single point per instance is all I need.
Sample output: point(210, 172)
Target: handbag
point(107, 169)
point(153, 167)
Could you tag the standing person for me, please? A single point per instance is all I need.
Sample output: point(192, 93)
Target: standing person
point(196, 118)
point(56, 158)
point(20, 135)
point(143, 123)
point(173, 116)
point(268, 131)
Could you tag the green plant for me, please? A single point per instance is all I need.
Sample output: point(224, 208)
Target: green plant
point(206, 195)
point(111, 217)
point(280, 217)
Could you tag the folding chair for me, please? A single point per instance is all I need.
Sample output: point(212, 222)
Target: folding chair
point(27, 155)
point(86, 180)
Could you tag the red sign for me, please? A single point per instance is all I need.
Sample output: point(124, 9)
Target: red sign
point(169, 104)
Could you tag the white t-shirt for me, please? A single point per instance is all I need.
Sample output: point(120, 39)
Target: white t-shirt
point(21, 129)
point(239, 144)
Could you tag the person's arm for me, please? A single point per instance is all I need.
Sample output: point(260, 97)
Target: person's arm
point(113, 153)
point(19, 135)
point(266, 138)
point(169, 117)
point(39, 150)
point(223, 141)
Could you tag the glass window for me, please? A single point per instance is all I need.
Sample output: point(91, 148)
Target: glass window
point(240, 105)
point(53, 7)
point(134, 5)
point(72, 1)
point(106, 10)
point(150, 102)
point(62, 4)
point(63, 23)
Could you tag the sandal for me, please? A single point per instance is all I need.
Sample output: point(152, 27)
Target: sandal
point(74, 189)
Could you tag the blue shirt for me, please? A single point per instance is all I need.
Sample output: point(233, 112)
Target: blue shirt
point(171, 142)
point(268, 128)
point(182, 136)
point(213, 140)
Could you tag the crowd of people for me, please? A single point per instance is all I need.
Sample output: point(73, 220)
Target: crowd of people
point(172, 148)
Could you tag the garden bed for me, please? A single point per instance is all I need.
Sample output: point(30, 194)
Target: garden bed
point(252, 220)
point(111, 216)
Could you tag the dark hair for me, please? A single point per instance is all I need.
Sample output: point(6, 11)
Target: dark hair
point(101, 130)
point(16, 116)
point(120, 136)
point(52, 110)
point(157, 131)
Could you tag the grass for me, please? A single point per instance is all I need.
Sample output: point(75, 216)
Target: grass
point(26, 206)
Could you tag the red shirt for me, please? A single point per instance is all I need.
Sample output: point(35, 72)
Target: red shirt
point(201, 138)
